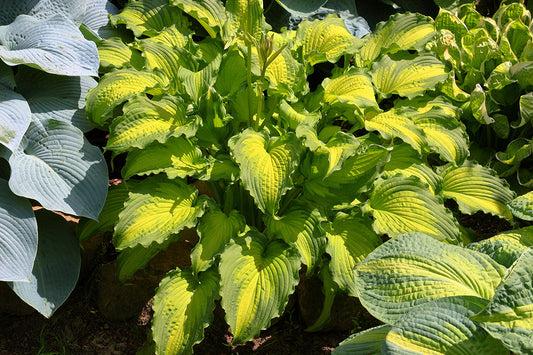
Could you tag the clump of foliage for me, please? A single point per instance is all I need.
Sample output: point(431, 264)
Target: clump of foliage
point(493, 63)
point(222, 132)
point(439, 298)
point(45, 72)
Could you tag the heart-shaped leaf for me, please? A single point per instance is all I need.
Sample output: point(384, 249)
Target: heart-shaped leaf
point(183, 307)
point(414, 269)
point(266, 165)
point(58, 167)
point(257, 277)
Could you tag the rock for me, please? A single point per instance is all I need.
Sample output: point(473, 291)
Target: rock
point(124, 300)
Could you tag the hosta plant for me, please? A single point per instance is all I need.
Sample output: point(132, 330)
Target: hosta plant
point(46, 66)
point(492, 59)
point(436, 298)
point(278, 148)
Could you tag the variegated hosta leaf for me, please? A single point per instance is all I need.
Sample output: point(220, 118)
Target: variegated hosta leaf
point(509, 315)
point(400, 32)
point(444, 134)
point(367, 342)
point(353, 88)
point(442, 327)
point(215, 229)
point(522, 206)
point(18, 236)
point(300, 226)
point(240, 12)
point(56, 165)
point(335, 150)
point(350, 240)
point(401, 205)
point(108, 217)
point(478, 105)
point(342, 186)
point(414, 269)
point(406, 161)
point(56, 97)
point(266, 165)
point(295, 114)
point(116, 87)
point(209, 13)
point(178, 157)
point(56, 268)
point(476, 188)
point(183, 307)
point(155, 209)
point(257, 277)
point(195, 84)
point(409, 77)
point(53, 45)
point(447, 20)
point(149, 17)
point(165, 57)
point(393, 125)
point(114, 53)
point(325, 40)
point(15, 117)
point(506, 247)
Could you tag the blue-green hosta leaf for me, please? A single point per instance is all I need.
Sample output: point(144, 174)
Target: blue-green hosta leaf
point(353, 88)
point(257, 277)
point(444, 134)
point(401, 205)
point(476, 188)
point(408, 77)
point(209, 13)
point(338, 147)
point(300, 226)
point(54, 45)
point(56, 268)
point(350, 240)
point(367, 342)
point(178, 157)
point(342, 186)
point(266, 165)
point(15, 117)
point(114, 53)
point(148, 120)
point(406, 161)
point(442, 327)
point(183, 307)
point(149, 17)
point(56, 97)
point(118, 86)
point(96, 18)
point(393, 125)
point(509, 315)
point(108, 217)
point(72, 10)
point(414, 269)
point(325, 40)
point(215, 229)
point(18, 236)
point(400, 32)
point(506, 247)
point(155, 209)
point(57, 166)
point(522, 206)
